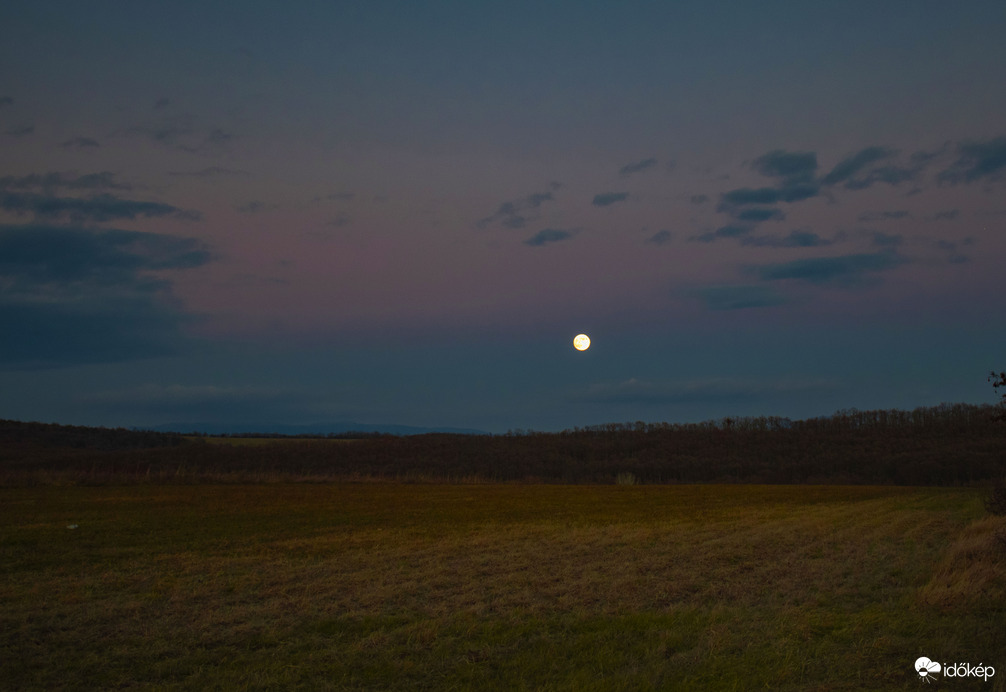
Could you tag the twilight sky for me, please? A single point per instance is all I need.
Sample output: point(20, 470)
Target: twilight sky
point(403, 212)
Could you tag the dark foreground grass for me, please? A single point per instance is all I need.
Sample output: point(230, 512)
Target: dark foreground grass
point(383, 586)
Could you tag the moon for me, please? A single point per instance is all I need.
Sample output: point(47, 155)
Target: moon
point(581, 342)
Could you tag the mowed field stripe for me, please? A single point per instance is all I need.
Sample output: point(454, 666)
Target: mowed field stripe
point(394, 585)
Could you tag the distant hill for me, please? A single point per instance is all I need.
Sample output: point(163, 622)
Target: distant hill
point(314, 429)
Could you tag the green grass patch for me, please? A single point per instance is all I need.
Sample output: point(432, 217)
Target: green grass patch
point(391, 586)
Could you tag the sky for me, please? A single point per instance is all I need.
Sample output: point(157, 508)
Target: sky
point(403, 212)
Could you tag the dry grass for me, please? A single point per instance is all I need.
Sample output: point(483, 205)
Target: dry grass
point(973, 569)
point(383, 586)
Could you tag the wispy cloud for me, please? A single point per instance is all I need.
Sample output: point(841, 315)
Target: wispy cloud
point(57, 255)
point(637, 167)
point(661, 237)
point(217, 136)
point(519, 212)
point(792, 167)
point(80, 143)
point(549, 235)
point(951, 248)
point(841, 271)
point(759, 214)
point(794, 192)
point(608, 198)
point(946, 215)
point(977, 160)
point(854, 163)
point(858, 172)
point(795, 238)
point(796, 172)
point(181, 135)
point(729, 231)
point(797, 180)
point(737, 297)
point(892, 175)
point(41, 195)
point(99, 208)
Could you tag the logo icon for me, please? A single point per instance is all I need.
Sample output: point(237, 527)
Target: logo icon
point(927, 669)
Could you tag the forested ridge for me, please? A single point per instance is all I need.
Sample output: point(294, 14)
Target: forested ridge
point(950, 444)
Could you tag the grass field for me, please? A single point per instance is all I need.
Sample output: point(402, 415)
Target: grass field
point(396, 586)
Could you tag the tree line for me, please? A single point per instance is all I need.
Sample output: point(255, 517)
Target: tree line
point(949, 444)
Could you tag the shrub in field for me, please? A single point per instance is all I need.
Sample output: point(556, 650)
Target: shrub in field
point(625, 479)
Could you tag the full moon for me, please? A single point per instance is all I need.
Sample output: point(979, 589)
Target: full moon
point(581, 342)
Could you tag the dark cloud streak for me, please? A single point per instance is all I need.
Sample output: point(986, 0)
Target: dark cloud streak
point(99, 208)
point(512, 214)
point(55, 255)
point(75, 295)
point(605, 199)
point(851, 165)
point(661, 237)
point(769, 195)
point(548, 235)
point(80, 143)
point(759, 214)
point(50, 182)
point(792, 167)
point(794, 239)
point(842, 271)
point(730, 231)
point(980, 160)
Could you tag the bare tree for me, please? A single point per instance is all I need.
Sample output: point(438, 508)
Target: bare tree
point(995, 503)
point(999, 380)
